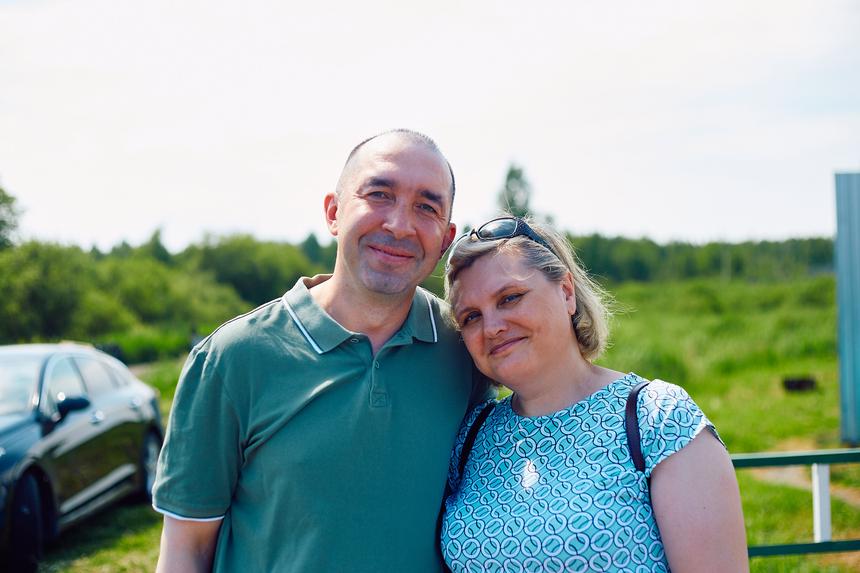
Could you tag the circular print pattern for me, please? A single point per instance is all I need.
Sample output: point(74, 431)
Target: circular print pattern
point(560, 492)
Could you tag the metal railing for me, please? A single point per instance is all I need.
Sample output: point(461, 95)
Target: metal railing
point(822, 531)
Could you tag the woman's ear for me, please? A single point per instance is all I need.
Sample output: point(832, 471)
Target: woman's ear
point(569, 291)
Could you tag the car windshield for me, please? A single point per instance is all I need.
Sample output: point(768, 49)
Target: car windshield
point(18, 378)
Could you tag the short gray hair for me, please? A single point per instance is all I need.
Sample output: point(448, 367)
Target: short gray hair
point(590, 322)
point(414, 137)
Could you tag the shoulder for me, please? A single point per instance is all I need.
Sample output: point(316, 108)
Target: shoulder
point(478, 409)
point(661, 400)
point(241, 328)
point(669, 419)
point(248, 339)
point(466, 428)
point(474, 416)
point(471, 417)
point(267, 325)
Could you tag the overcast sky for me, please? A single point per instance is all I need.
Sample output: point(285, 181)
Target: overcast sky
point(674, 120)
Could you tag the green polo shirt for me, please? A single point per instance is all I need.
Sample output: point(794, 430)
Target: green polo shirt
point(319, 455)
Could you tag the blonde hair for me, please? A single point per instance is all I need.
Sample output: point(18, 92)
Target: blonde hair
point(590, 321)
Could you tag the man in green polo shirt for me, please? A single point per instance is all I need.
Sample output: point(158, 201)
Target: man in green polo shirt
point(314, 433)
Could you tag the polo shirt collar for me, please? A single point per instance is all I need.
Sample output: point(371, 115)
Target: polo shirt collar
point(420, 323)
point(324, 333)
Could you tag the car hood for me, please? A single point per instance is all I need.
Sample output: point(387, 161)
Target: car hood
point(9, 423)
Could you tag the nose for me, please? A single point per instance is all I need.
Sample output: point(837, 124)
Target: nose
point(398, 221)
point(493, 323)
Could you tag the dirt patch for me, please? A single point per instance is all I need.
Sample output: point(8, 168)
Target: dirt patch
point(801, 477)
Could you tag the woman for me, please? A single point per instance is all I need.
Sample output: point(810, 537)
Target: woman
point(550, 483)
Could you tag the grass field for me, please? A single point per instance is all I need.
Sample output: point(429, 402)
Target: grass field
point(729, 344)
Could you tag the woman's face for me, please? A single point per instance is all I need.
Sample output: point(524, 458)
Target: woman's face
point(514, 320)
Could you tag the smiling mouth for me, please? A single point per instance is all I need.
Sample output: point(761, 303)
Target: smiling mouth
point(499, 348)
point(392, 253)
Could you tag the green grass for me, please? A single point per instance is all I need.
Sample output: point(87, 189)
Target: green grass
point(122, 539)
point(776, 514)
point(729, 344)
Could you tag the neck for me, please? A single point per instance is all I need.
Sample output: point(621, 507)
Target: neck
point(377, 316)
point(569, 382)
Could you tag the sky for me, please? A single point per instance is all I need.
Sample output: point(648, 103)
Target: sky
point(692, 121)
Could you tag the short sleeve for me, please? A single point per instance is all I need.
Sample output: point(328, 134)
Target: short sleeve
point(457, 451)
point(668, 420)
point(199, 463)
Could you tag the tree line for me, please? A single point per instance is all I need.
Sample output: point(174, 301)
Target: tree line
point(144, 301)
point(622, 259)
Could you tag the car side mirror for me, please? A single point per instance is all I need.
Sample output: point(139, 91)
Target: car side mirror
point(72, 404)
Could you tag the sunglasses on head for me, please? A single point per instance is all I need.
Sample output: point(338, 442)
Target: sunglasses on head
point(501, 228)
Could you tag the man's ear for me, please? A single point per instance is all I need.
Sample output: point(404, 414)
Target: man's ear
point(449, 237)
point(330, 205)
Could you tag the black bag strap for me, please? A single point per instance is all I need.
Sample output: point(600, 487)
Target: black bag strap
point(464, 457)
point(631, 426)
point(471, 435)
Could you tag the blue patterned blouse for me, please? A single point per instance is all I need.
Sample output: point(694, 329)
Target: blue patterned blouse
point(560, 492)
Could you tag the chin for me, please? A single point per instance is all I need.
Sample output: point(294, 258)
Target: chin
point(387, 284)
point(512, 377)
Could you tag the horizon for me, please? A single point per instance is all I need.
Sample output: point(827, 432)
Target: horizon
point(682, 123)
point(324, 244)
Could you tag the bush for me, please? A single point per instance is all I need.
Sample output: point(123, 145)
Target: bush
point(155, 293)
point(41, 288)
point(51, 292)
point(147, 343)
point(258, 271)
point(100, 313)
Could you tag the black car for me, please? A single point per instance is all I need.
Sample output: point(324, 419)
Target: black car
point(77, 431)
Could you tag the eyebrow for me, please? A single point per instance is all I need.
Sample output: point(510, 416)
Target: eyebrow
point(390, 184)
point(505, 287)
point(432, 196)
point(496, 293)
point(380, 182)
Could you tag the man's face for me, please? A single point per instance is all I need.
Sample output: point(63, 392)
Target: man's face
point(392, 215)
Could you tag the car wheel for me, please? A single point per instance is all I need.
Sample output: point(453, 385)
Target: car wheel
point(27, 528)
point(148, 464)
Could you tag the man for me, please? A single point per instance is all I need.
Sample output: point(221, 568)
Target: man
point(313, 433)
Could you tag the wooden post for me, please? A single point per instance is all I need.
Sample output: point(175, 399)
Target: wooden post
point(848, 301)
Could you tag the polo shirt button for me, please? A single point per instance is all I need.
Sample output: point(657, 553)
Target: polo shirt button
point(353, 340)
point(376, 364)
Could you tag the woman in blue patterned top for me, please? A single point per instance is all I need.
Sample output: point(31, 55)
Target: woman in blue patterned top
point(550, 483)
